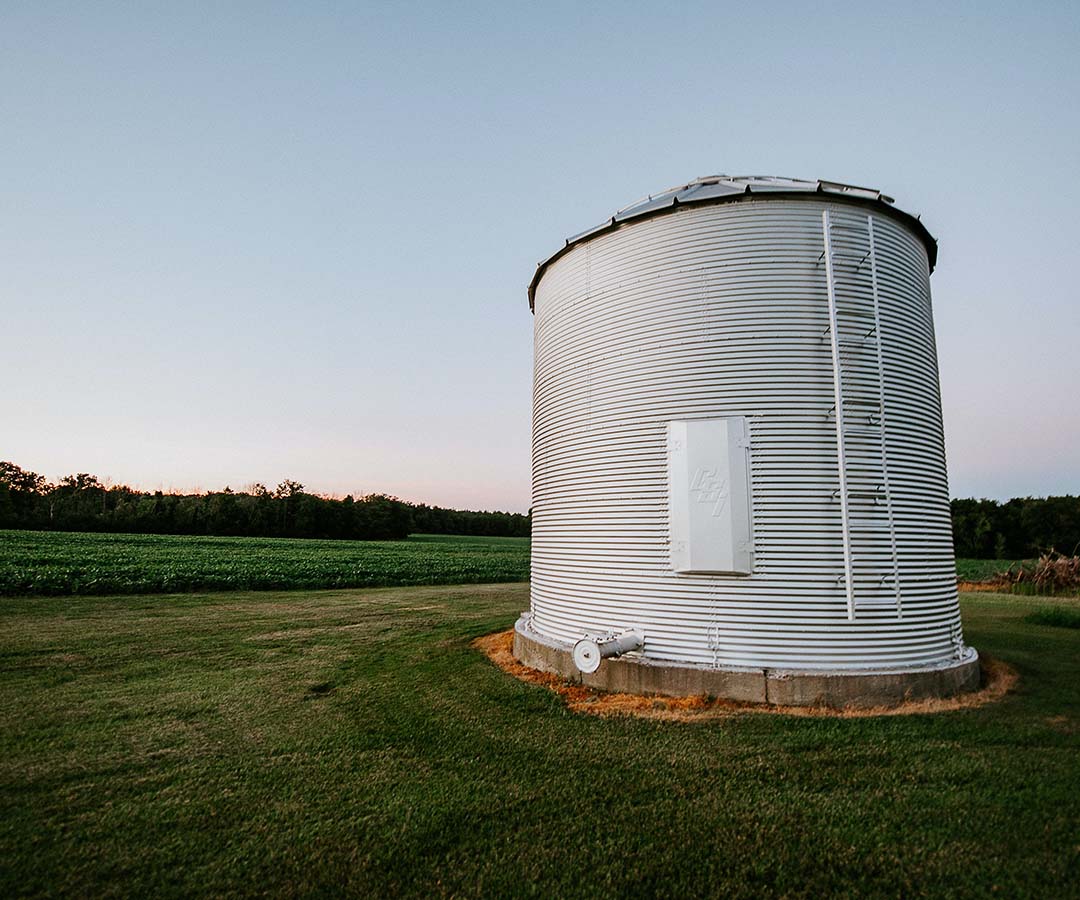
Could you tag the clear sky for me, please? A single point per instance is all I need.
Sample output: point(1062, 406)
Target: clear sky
point(248, 242)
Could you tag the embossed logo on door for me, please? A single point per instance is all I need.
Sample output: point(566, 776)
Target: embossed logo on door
point(708, 487)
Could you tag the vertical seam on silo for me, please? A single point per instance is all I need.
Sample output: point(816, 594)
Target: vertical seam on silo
point(588, 395)
point(703, 299)
point(588, 270)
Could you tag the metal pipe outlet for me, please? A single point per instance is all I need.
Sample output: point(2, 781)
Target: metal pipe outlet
point(588, 652)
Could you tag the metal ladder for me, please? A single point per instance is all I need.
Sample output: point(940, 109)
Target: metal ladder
point(854, 334)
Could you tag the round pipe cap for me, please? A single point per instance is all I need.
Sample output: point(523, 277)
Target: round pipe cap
point(587, 655)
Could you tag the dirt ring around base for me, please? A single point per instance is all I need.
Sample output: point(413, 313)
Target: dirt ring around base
point(998, 678)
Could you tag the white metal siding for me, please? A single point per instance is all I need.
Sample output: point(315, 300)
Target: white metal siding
point(719, 311)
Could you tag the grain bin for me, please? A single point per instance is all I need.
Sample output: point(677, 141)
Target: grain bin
point(739, 482)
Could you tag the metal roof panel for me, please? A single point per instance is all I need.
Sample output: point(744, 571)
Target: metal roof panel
point(728, 188)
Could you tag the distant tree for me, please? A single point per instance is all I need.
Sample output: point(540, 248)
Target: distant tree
point(21, 480)
point(22, 492)
point(223, 513)
point(82, 502)
point(8, 516)
point(285, 492)
point(1021, 528)
point(82, 482)
point(288, 489)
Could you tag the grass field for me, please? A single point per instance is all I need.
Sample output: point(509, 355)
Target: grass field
point(53, 563)
point(353, 742)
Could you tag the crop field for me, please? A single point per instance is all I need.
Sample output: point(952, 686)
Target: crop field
point(46, 563)
point(982, 569)
point(353, 742)
point(43, 563)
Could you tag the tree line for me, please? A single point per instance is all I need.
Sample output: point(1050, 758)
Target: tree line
point(83, 503)
point(1021, 528)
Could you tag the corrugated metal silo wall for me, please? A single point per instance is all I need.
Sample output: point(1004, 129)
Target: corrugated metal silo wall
point(723, 311)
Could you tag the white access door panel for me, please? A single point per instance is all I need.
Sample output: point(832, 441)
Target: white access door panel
point(709, 496)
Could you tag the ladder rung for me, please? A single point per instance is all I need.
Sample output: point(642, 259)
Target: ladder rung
point(863, 340)
point(873, 404)
point(862, 429)
point(851, 259)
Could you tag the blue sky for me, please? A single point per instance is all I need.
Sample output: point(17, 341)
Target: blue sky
point(248, 242)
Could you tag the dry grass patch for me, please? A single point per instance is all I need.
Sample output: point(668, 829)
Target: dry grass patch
point(1051, 574)
point(998, 678)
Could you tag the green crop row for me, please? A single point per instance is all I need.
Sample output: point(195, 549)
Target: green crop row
point(56, 563)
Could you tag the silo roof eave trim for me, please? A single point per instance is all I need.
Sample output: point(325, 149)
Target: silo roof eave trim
point(669, 201)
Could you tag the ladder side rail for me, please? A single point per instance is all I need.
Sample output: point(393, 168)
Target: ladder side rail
point(838, 398)
point(884, 453)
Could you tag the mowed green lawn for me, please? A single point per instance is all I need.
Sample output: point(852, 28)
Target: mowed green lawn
point(54, 563)
point(353, 742)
